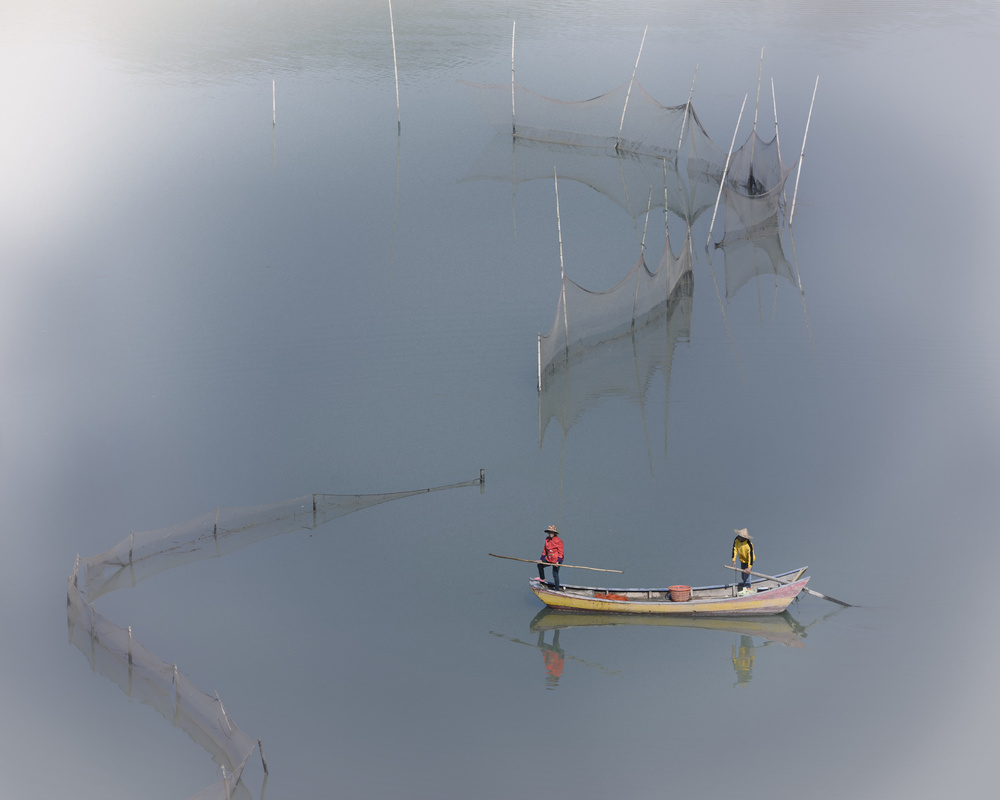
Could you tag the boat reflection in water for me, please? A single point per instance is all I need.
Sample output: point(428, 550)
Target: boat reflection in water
point(778, 628)
point(781, 629)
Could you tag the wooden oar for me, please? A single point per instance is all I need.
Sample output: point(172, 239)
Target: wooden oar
point(550, 564)
point(785, 580)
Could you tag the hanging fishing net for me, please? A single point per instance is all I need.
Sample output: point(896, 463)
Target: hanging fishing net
point(618, 142)
point(632, 181)
point(585, 319)
point(755, 255)
point(624, 367)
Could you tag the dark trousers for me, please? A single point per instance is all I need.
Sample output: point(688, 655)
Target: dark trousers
point(745, 577)
point(555, 573)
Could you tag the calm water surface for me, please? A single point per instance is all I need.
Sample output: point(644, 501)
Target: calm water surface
point(201, 309)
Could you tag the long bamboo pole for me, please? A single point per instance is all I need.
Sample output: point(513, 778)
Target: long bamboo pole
point(802, 155)
point(513, 116)
point(785, 580)
point(687, 110)
point(621, 125)
point(756, 108)
point(562, 268)
point(395, 68)
point(725, 170)
point(550, 564)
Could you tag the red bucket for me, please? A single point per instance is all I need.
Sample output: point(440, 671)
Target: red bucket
point(680, 594)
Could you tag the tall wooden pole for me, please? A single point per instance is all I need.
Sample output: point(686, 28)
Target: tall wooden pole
point(562, 268)
point(756, 108)
point(722, 182)
point(802, 155)
point(687, 110)
point(513, 116)
point(627, 93)
point(395, 68)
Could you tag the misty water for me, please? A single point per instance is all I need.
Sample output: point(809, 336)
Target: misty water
point(216, 296)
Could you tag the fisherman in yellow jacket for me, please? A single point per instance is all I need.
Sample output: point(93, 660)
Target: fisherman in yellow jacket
point(743, 550)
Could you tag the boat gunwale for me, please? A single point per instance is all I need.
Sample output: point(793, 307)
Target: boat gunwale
point(566, 587)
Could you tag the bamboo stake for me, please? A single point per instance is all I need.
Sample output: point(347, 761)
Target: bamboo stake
point(395, 68)
point(687, 110)
point(225, 716)
point(274, 105)
point(777, 139)
point(562, 269)
point(774, 100)
point(263, 761)
point(627, 93)
point(550, 564)
point(513, 116)
point(802, 155)
point(539, 363)
point(722, 183)
point(642, 255)
point(756, 108)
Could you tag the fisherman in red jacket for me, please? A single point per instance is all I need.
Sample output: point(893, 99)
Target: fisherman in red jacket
point(552, 553)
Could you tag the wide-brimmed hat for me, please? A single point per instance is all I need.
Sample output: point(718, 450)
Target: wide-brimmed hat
point(551, 529)
point(742, 532)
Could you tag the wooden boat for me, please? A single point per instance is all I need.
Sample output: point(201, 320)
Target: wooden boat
point(766, 596)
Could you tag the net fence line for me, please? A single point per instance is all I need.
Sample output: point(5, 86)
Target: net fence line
point(114, 652)
point(753, 183)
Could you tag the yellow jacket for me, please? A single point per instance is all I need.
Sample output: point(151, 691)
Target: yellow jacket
point(743, 550)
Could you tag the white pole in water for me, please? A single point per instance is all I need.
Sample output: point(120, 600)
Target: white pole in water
point(687, 110)
point(539, 362)
point(636, 67)
point(722, 183)
point(802, 155)
point(666, 221)
point(756, 108)
point(562, 270)
point(395, 68)
point(774, 101)
point(274, 105)
point(513, 117)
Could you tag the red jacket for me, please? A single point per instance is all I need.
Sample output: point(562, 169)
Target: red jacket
point(552, 552)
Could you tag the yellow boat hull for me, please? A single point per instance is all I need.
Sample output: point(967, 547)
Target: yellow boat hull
point(768, 597)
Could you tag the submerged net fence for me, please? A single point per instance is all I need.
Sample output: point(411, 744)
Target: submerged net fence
point(115, 653)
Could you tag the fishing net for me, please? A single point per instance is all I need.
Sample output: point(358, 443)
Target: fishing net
point(116, 654)
point(627, 119)
point(755, 255)
point(625, 367)
point(619, 143)
point(586, 319)
point(632, 181)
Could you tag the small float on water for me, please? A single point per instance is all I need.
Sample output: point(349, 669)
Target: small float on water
point(771, 595)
